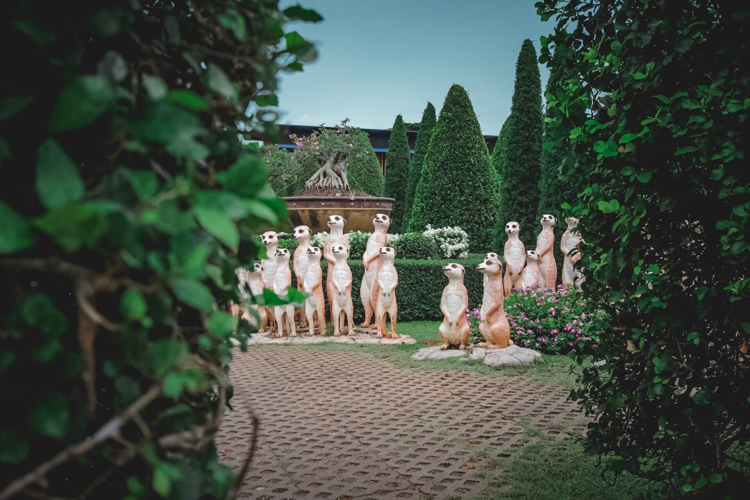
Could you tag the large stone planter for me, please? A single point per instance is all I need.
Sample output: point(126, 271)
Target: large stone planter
point(313, 211)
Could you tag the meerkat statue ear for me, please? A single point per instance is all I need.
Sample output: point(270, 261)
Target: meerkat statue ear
point(344, 220)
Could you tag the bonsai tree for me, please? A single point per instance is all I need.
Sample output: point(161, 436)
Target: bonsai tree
point(340, 157)
point(458, 186)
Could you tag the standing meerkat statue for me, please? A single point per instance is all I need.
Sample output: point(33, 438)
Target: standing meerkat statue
point(283, 279)
point(493, 324)
point(371, 261)
point(530, 276)
point(570, 239)
point(335, 237)
point(313, 286)
point(385, 300)
point(454, 330)
point(271, 241)
point(514, 255)
point(490, 255)
point(302, 235)
point(255, 282)
point(342, 292)
point(545, 245)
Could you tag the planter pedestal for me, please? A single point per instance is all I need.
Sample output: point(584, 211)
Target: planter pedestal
point(313, 211)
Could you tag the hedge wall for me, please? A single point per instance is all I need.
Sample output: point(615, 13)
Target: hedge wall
point(420, 287)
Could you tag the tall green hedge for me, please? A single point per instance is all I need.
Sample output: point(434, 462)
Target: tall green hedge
point(458, 186)
point(417, 160)
point(420, 286)
point(397, 172)
point(501, 148)
point(519, 193)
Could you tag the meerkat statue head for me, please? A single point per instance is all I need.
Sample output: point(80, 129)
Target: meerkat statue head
point(336, 221)
point(314, 254)
point(269, 238)
point(381, 221)
point(572, 222)
point(453, 271)
point(490, 265)
point(548, 220)
point(491, 256)
point(532, 256)
point(302, 233)
point(257, 270)
point(340, 252)
point(282, 256)
point(513, 227)
point(387, 254)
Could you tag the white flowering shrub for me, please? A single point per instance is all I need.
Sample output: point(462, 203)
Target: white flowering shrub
point(452, 241)
point(319, 239)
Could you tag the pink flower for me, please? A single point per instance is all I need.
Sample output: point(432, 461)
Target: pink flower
point(351, 145)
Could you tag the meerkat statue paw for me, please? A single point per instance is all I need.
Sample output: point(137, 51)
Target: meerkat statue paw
point(444, 347)
point(462, 347)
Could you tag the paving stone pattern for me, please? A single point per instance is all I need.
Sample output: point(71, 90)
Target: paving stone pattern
point(343, 425)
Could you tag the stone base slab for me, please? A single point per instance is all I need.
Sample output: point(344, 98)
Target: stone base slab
point(509, 356)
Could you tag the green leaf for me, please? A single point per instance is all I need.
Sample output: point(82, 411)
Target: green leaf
point(193, 293)
point(703, 396)
point(5, 149)
point(639, 76)
point(155, 87)
point(219, 82)
point(627, 138)
point(716, 478)
point(81, 224)
point(296, 12)
point(293, 39)
point(686, 149)
point(644, 177)
point(161, 483)
point(187, 99)
point(46, 351)
point(739, 210)
point(606, 207)
point(14, 447)
point(717, 174)
point(84, 100)
point(13, 104)
point(687, 488)
point(628, 170)
point(165, 354)
point(219, 225)
point(220, 323)
point(57, 179)
point(49, 415)
point(132, 304)
point(144, 184)
point(15, 233)
point(261, 211)
point(247, 175)
point(684, 44)
point(267, 100)
point(233, 21)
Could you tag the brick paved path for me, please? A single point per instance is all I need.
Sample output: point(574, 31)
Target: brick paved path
point(340, 425)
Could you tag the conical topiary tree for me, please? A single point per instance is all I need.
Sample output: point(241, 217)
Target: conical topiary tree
point(501, 148)
point(417, 160)
point(555, 187)
point(519, 192)
point(458, 186)
point(396, 172)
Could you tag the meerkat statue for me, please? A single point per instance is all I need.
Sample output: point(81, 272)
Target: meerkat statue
point(335, 237)
point(313, 286)
point(371, 261)
point(254, 281)
point(493, 324)
point(570, 239)
point(237, 310)
point(271, 241)
point(514, 255)
point(282, 280)
point(454, 330)
point(385, 300)
point(489, 255)
point(530, 275)
point(302, 234)
point(545, 244)
point(342, 292)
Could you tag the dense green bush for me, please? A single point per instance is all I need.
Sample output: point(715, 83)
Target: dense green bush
point(519, 192)
point(657, 116)
point(501, 147)
point(417, 160)
point(397, 172)
point(127, 203)
point(416, 246)
point(282, 169)
point(458, 186)
point(362, 166)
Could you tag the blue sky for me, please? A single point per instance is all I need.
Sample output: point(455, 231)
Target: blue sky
point(379, 58)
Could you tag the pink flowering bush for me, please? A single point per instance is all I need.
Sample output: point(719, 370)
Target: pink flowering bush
point(550, 321)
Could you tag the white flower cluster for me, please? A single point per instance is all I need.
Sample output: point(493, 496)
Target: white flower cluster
point(319, 239)
point(452, 241)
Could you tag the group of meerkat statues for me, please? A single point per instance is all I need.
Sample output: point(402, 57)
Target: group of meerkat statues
point(523, 269)
point(377, 291)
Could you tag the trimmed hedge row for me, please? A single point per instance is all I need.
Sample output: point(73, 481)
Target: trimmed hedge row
point(420, 286)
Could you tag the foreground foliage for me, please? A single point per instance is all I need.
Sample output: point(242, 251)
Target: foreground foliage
point(128, 203)
point(657, 117)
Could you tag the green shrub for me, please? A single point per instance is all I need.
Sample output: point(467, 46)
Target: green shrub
point(282, 169)
point(397, 172)
point(519, 191)
point(289, 243)
point(127, 204)
point(458, 186)
point(416, 246)
point(357, 243)
point(417, 160)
